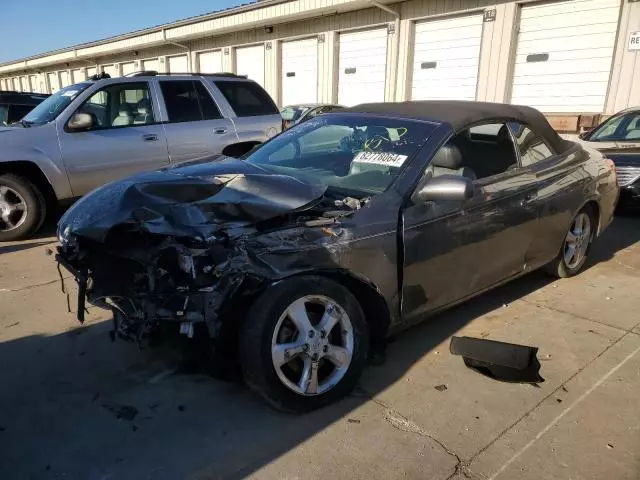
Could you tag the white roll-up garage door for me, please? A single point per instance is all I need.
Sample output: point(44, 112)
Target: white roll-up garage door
point(178, 64)
point(300, 71)
point(24, 84)
point(446, 58)
point(128, 67)
point(65, 81)
point(210, 62)
point(33, 84)
point(564, 54)
point(91, 71)
point(362, 66)
point(78, 75)
point(110, 69)
point(54, 81)
point(150, 65)
point(250, 62)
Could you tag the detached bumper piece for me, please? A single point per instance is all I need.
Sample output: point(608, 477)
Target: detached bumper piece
point(507, 362)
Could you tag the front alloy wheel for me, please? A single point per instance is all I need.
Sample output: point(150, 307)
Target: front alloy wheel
point(312, 345)
point(304, 343)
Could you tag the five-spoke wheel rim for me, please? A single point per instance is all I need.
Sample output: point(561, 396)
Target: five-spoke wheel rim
point(577, 241)
point(13, 209)
point(312, 345)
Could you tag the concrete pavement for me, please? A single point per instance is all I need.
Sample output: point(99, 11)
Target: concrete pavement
point(75, 405)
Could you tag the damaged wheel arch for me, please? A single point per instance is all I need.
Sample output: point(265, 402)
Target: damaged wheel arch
point(374, 306)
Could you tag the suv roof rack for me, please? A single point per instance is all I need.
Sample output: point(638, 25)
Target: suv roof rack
point(16, 92)
point(154, 73)
point(99, 76)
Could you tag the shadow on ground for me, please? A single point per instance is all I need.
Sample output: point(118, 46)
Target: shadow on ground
point(78, 406)
point(21, 246)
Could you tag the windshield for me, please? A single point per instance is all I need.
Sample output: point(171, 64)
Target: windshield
point(50, 108)
point(350, 152)
point(291, 114)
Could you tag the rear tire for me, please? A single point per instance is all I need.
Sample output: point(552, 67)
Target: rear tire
point(325, 360)
point(22, 208)
point(576, 245)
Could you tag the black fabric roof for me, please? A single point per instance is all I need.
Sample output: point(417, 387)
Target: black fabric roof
point(459, 114)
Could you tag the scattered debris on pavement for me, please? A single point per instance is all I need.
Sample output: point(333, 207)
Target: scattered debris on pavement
point(125, 412)
point(440, 388)
point(502, 361)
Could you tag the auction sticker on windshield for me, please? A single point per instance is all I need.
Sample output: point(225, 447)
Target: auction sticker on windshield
point(380, 158)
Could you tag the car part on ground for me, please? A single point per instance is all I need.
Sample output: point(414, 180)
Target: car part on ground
point(104, 129)
point(370, 219)
point(507, 362)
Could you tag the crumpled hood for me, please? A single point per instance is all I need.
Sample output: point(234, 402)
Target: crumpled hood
point(194, 200)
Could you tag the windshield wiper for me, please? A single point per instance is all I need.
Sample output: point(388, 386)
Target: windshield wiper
point(23, 123)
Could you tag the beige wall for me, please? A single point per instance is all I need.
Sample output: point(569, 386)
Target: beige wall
point(624, 85)
point(496, 56)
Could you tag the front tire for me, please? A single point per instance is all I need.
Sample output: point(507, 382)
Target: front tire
point(22, 208)
point(304, 343)
point(576, 245)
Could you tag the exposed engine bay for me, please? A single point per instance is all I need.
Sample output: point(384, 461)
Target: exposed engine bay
point(184, 248)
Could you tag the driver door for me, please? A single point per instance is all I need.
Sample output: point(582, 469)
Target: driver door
point(455, 249)
point(124, 140)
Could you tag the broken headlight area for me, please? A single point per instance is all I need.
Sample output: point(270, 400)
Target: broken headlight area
point(152, 282)
point(182, 248)
point(160, 280)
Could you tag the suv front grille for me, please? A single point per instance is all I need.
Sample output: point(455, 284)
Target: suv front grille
point(627, 175)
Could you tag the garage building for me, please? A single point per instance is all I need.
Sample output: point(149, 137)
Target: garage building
point(574, 60)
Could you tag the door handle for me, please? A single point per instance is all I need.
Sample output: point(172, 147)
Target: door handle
point(219, 131)
point(150, 137)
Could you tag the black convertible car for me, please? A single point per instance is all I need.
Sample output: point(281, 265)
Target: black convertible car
point(341, 230)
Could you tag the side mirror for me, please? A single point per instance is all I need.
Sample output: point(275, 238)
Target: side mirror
point(444, 187)
point(79, 122)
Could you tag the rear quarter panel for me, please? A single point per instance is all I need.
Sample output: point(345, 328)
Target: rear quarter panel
point(259, 128)
point(565, 184)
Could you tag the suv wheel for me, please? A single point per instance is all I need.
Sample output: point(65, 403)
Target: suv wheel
point(304, 343)
point(22, 208)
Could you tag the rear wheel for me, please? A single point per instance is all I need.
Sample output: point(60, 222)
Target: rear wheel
point(575, 247)
point(22, 208)
point(304, 344)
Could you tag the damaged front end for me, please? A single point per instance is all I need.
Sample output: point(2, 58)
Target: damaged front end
point(184, 248)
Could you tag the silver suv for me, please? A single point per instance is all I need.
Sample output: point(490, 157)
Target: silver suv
point(104, 129)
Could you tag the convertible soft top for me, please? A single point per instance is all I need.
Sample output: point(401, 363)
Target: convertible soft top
point(459, 114)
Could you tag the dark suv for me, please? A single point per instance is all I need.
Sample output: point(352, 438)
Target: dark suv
point(15, 105)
